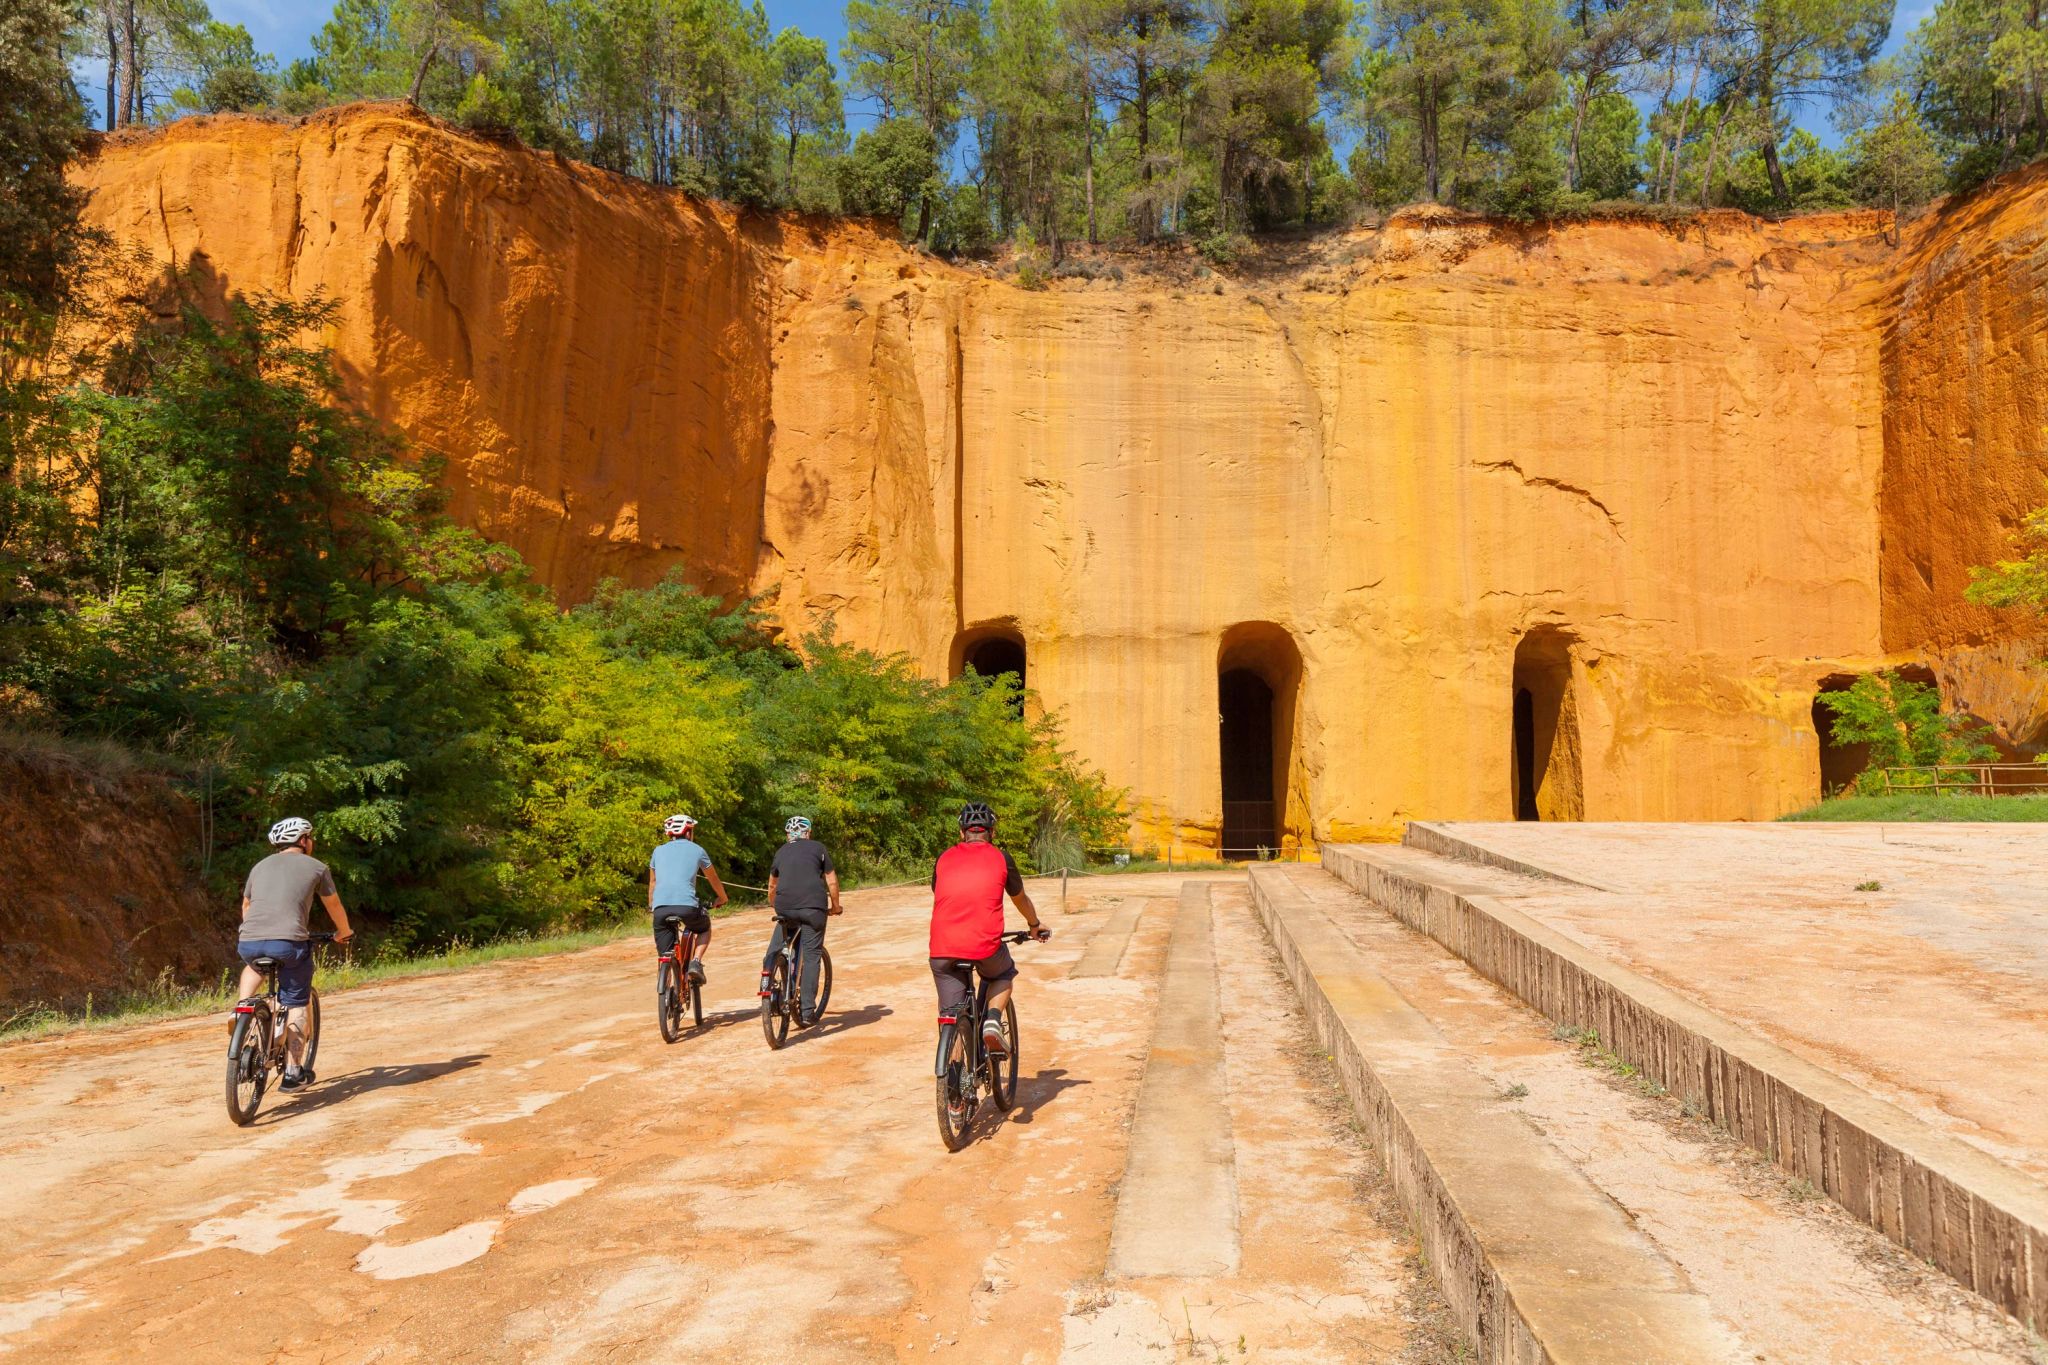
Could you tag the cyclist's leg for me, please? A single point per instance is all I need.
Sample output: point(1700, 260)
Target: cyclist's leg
point(999, 971)
point(953, 983)
point(294, 991)
point(698, 922)
point(810, 943)
point(774, 948)
point(664, 937)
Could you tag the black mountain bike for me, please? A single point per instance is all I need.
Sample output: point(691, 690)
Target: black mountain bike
point(781, 992)
point(962, 1083)
point(257, 1044)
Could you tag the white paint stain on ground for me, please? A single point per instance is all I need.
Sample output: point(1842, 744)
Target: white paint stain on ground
point(539, 1198)
point(23, 1314)
point(429, 1255)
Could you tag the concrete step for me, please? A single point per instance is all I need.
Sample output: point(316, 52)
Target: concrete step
point(1535, 1262)
point(1981, 1221)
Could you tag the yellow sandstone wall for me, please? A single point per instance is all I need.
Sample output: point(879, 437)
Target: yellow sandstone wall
point(1672, 446)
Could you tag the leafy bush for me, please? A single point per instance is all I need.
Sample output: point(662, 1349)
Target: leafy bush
point(214, 558)
point(1902, 722)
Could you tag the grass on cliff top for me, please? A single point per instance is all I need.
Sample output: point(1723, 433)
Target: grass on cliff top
point(1928, 808)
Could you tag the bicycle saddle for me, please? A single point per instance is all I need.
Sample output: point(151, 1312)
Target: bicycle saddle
point(263, 964)
point(670, 919)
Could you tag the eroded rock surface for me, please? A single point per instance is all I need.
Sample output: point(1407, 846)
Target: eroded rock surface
point(1710, 462)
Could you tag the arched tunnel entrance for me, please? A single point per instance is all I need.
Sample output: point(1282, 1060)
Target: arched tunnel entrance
point(991, 651)
point(1546, 772)
point(1258, 678)
point(1840, 763)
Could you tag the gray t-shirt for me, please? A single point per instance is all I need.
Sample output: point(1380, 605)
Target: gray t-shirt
point(280, 890)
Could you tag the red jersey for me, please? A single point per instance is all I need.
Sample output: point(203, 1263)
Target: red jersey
point(968, 886)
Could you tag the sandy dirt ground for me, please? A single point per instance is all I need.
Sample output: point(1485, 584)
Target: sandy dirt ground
point(508, 1164)
point(1852, 945)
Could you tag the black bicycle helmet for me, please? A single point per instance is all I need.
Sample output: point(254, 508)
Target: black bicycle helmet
point(977, 815)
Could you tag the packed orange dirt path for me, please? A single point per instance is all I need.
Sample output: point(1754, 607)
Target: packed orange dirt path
point(508, 1164)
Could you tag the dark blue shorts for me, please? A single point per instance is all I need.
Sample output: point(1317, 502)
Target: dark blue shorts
point(294, 967)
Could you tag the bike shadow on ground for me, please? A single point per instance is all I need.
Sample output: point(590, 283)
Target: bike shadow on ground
point(1035, 1092)
point(721, 1019)
point(840, 1021)
point(354, 1084)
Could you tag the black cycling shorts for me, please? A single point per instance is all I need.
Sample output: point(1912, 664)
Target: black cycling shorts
point(955, 977)
point(695, 918)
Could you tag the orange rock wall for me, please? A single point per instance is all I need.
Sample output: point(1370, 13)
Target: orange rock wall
point(1680, 446)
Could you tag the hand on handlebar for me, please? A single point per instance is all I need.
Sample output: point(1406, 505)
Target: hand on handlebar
point(1041, 933)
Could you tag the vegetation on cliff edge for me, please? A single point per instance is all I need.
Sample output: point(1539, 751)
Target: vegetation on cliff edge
point(1047, 121)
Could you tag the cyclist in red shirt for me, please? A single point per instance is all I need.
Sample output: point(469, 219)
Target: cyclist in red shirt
point(968, 886)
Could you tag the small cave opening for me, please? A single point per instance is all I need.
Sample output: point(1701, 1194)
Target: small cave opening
point(1546, 773)
point(1840, 763)
point(1258, 677)
point(992, 651)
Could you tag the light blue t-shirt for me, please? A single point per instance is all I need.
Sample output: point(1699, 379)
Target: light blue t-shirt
point(676, 865)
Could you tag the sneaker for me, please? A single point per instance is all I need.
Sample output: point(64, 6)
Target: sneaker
point(295, 1079)
point(994, 1041)
point(697, 971)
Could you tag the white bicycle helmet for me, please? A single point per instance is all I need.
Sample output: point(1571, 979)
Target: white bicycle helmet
point(797, 827)
point(679, 824)
point(289, 831)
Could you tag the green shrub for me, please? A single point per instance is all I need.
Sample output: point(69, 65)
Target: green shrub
point(1902, 722)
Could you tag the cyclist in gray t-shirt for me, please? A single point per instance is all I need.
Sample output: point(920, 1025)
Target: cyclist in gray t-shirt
point(277, 902)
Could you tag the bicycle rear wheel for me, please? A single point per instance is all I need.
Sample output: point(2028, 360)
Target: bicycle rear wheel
point(248, 1069)
point(668, 1002)
point(776, 1005)
point(956, 1105)
point(1002, 1071)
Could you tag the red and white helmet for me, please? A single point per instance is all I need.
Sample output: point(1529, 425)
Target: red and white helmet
point(679, 825)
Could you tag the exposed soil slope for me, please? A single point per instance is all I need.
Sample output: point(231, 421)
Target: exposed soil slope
point(99, 887)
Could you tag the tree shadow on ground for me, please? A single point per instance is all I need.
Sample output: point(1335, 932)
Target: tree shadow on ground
point(839, 1022)
point(354, 1084)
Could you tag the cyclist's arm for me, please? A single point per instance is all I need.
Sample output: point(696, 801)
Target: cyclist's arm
point(711, 875)
point(650, 890)
point(332, 900)
point(832, 888)
point(773, 877)
point(1022, 900)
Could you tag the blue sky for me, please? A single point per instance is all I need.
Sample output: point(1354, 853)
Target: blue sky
point(285, 29)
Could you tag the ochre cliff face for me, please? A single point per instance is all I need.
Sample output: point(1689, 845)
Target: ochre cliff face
point(1675, 466)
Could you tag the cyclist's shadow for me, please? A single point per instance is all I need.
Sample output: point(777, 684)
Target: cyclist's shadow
point(362, 1081)
point(1034, 1092)
point(840, 1021)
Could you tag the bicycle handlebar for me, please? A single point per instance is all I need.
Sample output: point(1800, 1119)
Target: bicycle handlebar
point(1021, 936)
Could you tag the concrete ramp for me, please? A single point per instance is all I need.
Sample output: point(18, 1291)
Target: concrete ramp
point(1536, 1263)
point(1176, 1213)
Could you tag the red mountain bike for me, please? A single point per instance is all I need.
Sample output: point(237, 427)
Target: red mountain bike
point(673, 988)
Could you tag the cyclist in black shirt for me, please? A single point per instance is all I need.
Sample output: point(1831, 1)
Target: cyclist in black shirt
point(803, 888)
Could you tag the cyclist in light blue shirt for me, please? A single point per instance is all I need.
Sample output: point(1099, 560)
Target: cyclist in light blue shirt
point(672, 871)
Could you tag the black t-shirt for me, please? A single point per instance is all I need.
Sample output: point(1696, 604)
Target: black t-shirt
point(799, 869)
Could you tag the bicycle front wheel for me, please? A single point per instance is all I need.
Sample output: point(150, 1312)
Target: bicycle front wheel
point(824, 981)
point(1002, 1071)
point(668, 1002)
point(775, 1005)
point(312, 1029)
point(248, 1069)
point(696, 1004)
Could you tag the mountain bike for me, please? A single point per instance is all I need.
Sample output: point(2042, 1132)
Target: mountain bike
point(257, 1043)
point(673, 988)
point(962, 1082)
point(781, 993)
